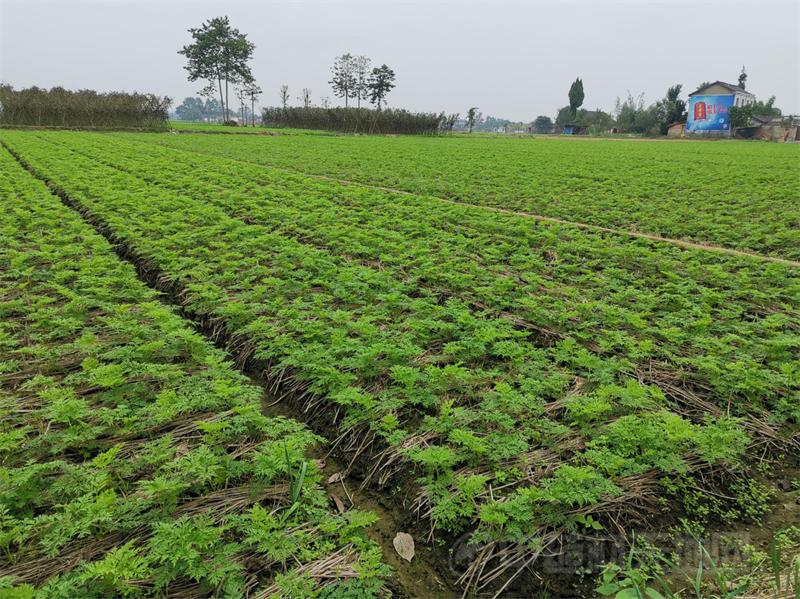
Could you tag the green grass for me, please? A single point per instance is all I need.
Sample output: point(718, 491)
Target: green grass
point(248, 130)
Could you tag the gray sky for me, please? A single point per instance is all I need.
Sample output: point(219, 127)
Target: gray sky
point(513, 60)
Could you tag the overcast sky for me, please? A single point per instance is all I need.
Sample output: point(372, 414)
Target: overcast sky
point(513, 60)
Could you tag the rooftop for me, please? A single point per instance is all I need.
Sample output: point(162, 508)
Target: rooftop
point(730, 86)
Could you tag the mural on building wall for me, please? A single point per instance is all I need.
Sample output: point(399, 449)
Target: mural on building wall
point(709, 113)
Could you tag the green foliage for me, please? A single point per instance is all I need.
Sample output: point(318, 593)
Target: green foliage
point(379, 84)
point(218, 54)
point(633, 116)
point(748, 501)
point(741, 116)
point(640, 575)
point(543, 124)
point(532, 378)
point(671, 109)
point(472, 116)
point(767, 108)
point(86, 109)
point(575, 96)
point(117, 572)
point(194, 548)
point(197, 109)
point(549, 504)
point(130, 446)
point(352, 120)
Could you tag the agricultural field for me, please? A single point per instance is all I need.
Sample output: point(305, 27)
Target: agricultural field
point(134, 459)
point(499, 377)
point(702, 192)
point(196, 127)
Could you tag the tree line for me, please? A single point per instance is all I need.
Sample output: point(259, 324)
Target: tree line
point(632, 114)
point(59, 107)
point(353, 119)
point(353, 79)
point(219, 55)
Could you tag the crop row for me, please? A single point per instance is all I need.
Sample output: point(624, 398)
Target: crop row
point(737, 195)
point(134, 460)
point(516, 428)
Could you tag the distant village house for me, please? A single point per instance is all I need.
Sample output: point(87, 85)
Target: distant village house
point(709, 108)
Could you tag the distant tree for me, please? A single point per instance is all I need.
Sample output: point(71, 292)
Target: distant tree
point(362, 78)
point(449, 121)
point(306, 97)
point(252, 91)
point(740, 116)
point(241, 95)
point(767, 108)
point(344, 79)
point(472, 113)
point(220, 55)
point(197, 109)
point(191, 109)
point(212, 109)
point(632, 116)
point(380, 83)
point(575, 95)
point(284, 94)
point(490, 123)
point(543, 124)
point(326, 101)
point(564, 116)
point(671, 109)
point(704, 84)
point(743, 78)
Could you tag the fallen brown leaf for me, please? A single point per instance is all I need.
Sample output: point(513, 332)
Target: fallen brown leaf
point(339, 503)
point(404, 545)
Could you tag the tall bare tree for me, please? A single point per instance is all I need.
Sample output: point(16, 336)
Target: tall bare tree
point(362, 64)
point(306, 97)
point(241, 95)
point(472, 115)
point(220, 55)
point(253, 91)
point(284, 94)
